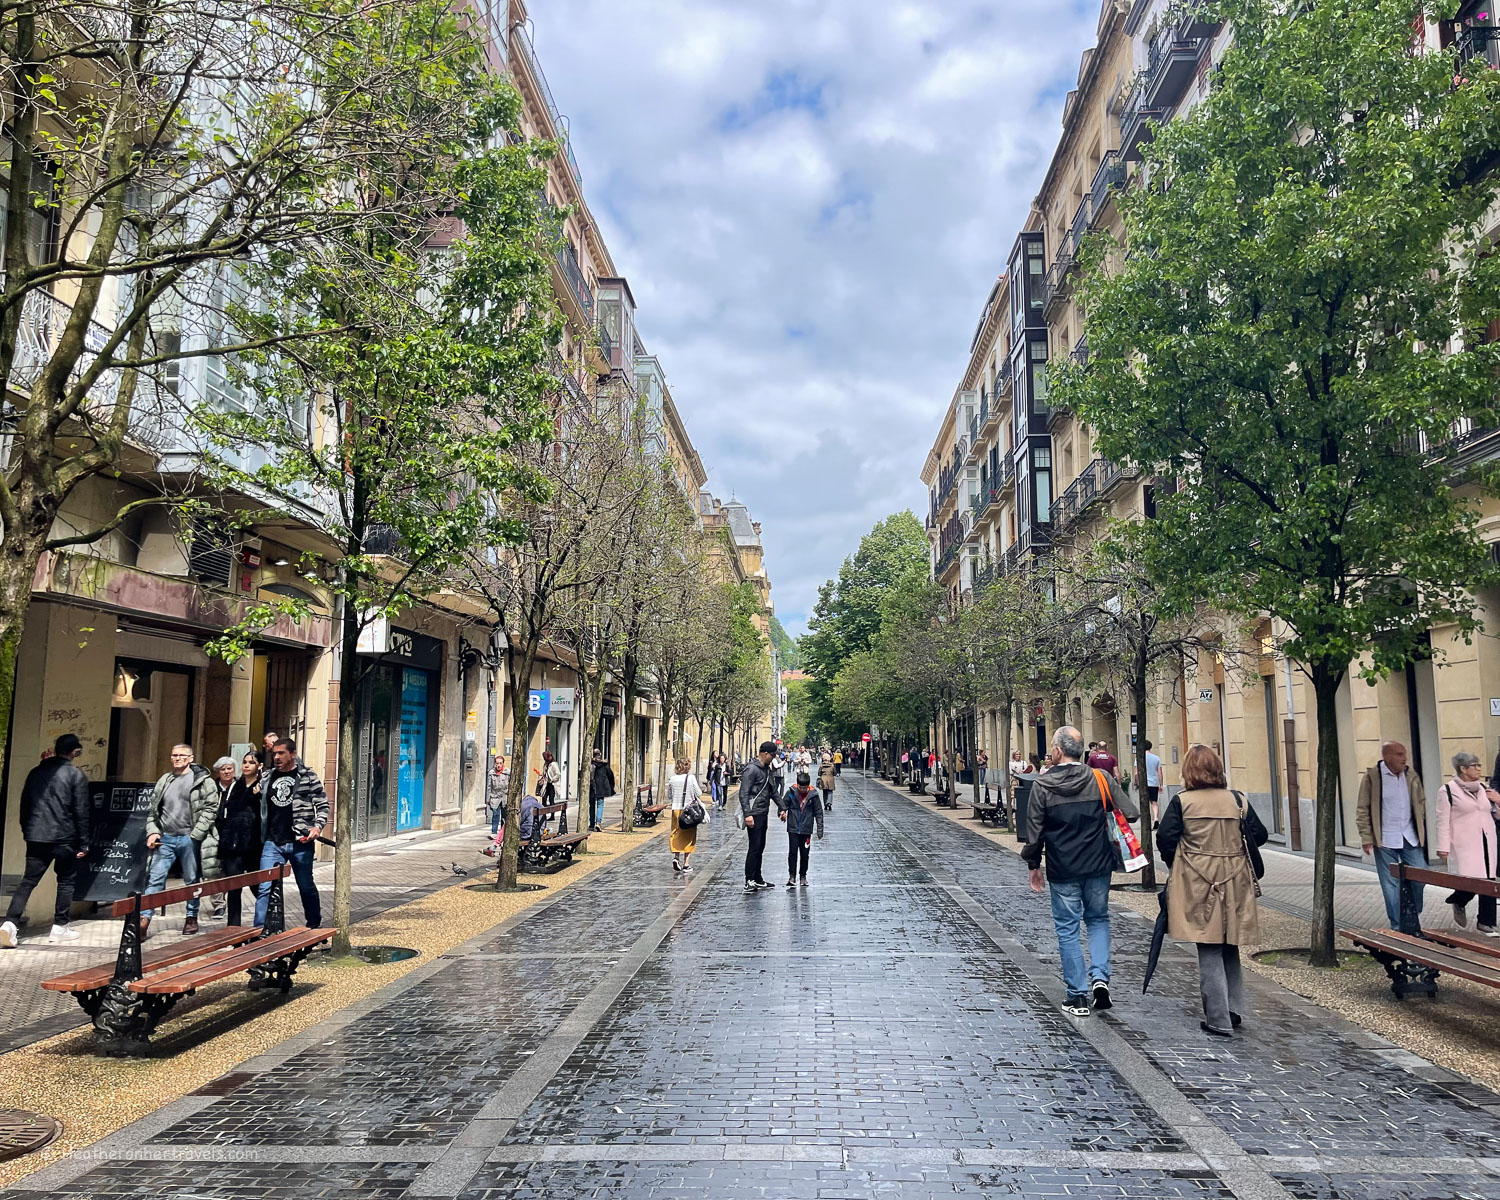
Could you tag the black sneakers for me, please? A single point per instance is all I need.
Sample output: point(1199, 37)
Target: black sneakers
point(1076, 1006)
point(1100, 991)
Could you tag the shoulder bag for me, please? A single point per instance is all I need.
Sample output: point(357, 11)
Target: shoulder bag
point(1132, 856)
point(1252, 833)
point(691, 814)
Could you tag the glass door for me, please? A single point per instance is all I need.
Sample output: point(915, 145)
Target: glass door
point(412, 772)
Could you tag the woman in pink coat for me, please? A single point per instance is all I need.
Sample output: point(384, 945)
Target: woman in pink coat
point(1466, 836)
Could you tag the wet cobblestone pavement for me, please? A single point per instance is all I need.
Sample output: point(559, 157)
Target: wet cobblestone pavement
point(890, 1031)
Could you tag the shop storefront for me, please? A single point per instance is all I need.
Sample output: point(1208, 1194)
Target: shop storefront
point(396, 761)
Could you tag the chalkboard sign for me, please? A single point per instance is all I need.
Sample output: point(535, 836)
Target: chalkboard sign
point(116, 863)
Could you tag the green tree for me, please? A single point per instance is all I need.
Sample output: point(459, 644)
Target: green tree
point(1297, 331)
point(847, 616)
point(150, 146)
point(788, 657)
point(417, 378)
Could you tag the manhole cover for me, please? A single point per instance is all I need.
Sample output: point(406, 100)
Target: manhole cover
point(23, 1132)
point(380, 955)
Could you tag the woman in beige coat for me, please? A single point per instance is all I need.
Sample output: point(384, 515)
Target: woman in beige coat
point(1211, 895)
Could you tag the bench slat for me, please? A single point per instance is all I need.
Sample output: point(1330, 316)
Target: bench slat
point(196, 975)
point(570, 840)
point(1459, 883)
point(193, 891)
point(1487, 948)
point(89, 978)
point(1429, 954)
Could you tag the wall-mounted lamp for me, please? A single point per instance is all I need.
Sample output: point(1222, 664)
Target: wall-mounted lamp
point(281, 562)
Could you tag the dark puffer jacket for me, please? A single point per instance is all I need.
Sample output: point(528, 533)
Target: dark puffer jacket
point(55, 804)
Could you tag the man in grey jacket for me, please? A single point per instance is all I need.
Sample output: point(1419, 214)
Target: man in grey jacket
point(184, 804)
point(55, 825)
point(757, 792)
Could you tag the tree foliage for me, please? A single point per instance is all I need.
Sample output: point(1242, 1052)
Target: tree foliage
point(1297, 332)
point(848, 615)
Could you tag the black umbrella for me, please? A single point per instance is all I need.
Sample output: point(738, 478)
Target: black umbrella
point(1158, 936)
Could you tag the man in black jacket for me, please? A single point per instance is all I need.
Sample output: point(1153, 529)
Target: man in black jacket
point(55, 824)
point(601, 788)
point(758, 789)
point(1069, 823)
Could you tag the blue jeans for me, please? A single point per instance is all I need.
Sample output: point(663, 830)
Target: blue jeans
point(1390, 886)
point(174, 848)
point(300, 855)
point(1085, 900)
point(496, 817)
point(596, 811)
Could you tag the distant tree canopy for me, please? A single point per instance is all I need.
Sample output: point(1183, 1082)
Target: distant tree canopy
point(848, 616)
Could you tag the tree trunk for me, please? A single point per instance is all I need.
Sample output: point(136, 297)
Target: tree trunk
point(586, 733)
point(1138, 701)
point(1325, 688)
point(698, 747)
point(519, 677)
point(1007, 788)
point(343, 792)
point(628, 718)
point(18, 559)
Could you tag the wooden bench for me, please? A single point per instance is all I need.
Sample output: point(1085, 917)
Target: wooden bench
point(129, 999)
point(1413, 958)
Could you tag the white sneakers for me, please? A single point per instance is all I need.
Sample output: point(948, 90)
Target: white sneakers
point(8, 936)
point(63, 933)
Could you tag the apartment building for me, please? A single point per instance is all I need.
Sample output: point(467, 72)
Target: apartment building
point(1153, 62)
point(115, 648)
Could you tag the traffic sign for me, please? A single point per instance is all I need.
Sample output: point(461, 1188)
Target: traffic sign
point(864, 737)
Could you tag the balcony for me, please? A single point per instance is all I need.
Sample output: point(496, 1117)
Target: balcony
point(985, 575)
point(575, 284)
point(1169, 70)
point(1079, 355)
point(156, 410)
point(946, 559)
point(1109, 178)
point(1005, 477)
point(1078, 496)
point(1082, 220)
point(1136, 119)
point(559, 126)
point(1479, 44)
point(1193, 24)
point(1056, 286)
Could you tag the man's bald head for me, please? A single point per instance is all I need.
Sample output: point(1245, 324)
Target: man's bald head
point(1393, 754)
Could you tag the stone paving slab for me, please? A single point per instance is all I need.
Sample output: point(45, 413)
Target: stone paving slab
point(892, 1030)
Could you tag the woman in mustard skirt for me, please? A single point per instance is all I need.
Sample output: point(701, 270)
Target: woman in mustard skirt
point(682, 790)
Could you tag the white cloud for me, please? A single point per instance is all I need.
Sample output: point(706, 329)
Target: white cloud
point(811, 199)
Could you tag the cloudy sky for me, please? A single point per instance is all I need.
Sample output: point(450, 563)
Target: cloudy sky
point(811, 200)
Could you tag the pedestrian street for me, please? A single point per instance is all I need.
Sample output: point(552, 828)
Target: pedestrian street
point(893, 1029)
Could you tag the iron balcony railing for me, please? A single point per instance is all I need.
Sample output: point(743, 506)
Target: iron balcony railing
point(157, 411)
point(578, 284)
point(1109, 177)
point(559, 126)
point(1479, 43)
point(1079, 355)
point(1081, 221)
